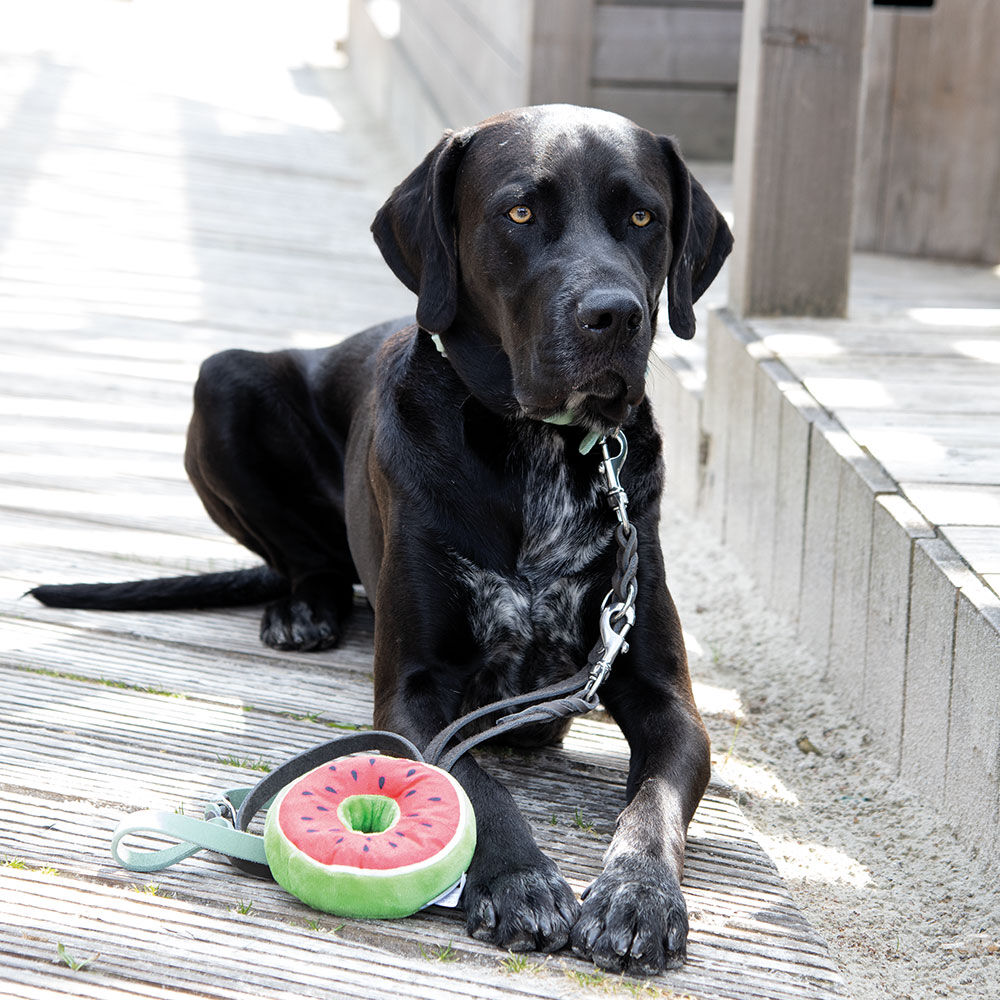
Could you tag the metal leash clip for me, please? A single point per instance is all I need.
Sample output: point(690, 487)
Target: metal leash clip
point(610, 466)
point(221, 808)
point(616, 618)
point(612, 638)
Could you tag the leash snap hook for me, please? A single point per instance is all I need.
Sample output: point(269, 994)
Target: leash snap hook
point(616, 620)
point(611, 466)
point(221, 808)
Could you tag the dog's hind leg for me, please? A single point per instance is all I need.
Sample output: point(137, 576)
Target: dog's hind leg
point(312, 617)
point(269, 470)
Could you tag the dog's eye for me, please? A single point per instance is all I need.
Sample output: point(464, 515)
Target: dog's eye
point(520, 214)
point(641, 218)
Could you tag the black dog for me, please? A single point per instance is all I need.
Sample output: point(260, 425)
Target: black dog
point(447, 478)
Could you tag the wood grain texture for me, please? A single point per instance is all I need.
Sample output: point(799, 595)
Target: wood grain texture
point(794, 170)
point(667, 45)
point(929, 182)
point(461, 62)
point(563, 34)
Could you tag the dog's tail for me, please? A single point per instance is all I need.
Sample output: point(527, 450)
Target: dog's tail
point(208, 590)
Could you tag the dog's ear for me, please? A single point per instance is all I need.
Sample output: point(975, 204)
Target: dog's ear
point(701, 242)
point(415, 230)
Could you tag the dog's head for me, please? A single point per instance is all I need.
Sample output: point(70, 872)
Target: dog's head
point(550, 232)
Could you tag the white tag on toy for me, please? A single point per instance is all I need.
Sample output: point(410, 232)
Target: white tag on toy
point(449, 897)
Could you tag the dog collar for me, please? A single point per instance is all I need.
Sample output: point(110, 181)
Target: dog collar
point(565, 418)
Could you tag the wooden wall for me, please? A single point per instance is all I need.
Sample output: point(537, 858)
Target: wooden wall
point(669, 64)
point(929, 177)
point(424, 66)
point(470, 55)
point(929, 171)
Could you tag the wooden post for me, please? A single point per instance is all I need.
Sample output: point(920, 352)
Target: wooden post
point(929, 178)
point(797, 122)
point(559, 70)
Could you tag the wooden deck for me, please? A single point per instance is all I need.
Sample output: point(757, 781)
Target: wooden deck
point(156, 206)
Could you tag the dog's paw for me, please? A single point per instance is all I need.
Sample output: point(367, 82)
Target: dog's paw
point(633, 919)
point(295, 624)
point(531, 909)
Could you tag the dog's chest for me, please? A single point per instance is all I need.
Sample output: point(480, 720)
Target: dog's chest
point(526, 618)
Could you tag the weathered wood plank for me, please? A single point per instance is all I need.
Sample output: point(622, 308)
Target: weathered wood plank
point(934, 448)
point(466, 76)
point(876, 117)
point(955, 385)
point(562, 34)
point(666, 45)
point(945, 504)
point(930, 183)
point(715, 4)
point(794, 171)
point(717, 835)
point(505, 26)
point(172, 944)
point(701, 120)
point(171, 552)
point(979, 545)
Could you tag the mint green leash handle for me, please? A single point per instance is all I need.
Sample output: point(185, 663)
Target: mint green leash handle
point(194, 835)
point(222, 829)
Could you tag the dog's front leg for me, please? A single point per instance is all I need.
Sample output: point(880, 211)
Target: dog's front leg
point(514, 895)
point(634, 918)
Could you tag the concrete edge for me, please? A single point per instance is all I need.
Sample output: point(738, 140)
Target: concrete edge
point(908, 634)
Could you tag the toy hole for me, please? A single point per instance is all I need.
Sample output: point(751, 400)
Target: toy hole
point(368, 813)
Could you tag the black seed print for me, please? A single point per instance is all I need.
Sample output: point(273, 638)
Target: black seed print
point(339, 840)
point(333, 767)
point(433, 798)
point(424, 823)
point(366, 848)
point(412, 791)
point(399, 833)
point(312, 831)
point(412, 815)
point(354, 775)
point(412, 771)
point(331, 790)
point(371, 761)
point(307, 793)
point(381, 782)
point(368, 838)
point(306, 819)
point(322, 809)
point(391, 844)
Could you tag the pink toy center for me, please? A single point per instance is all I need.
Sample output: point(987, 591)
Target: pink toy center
point(370, 812)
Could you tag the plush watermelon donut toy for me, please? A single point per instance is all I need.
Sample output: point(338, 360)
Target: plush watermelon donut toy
point(370, 836)
point(364, 835)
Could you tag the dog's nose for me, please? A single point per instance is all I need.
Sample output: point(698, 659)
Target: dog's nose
point(612, 313)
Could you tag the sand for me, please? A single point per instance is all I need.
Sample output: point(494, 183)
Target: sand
point(907, 910)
